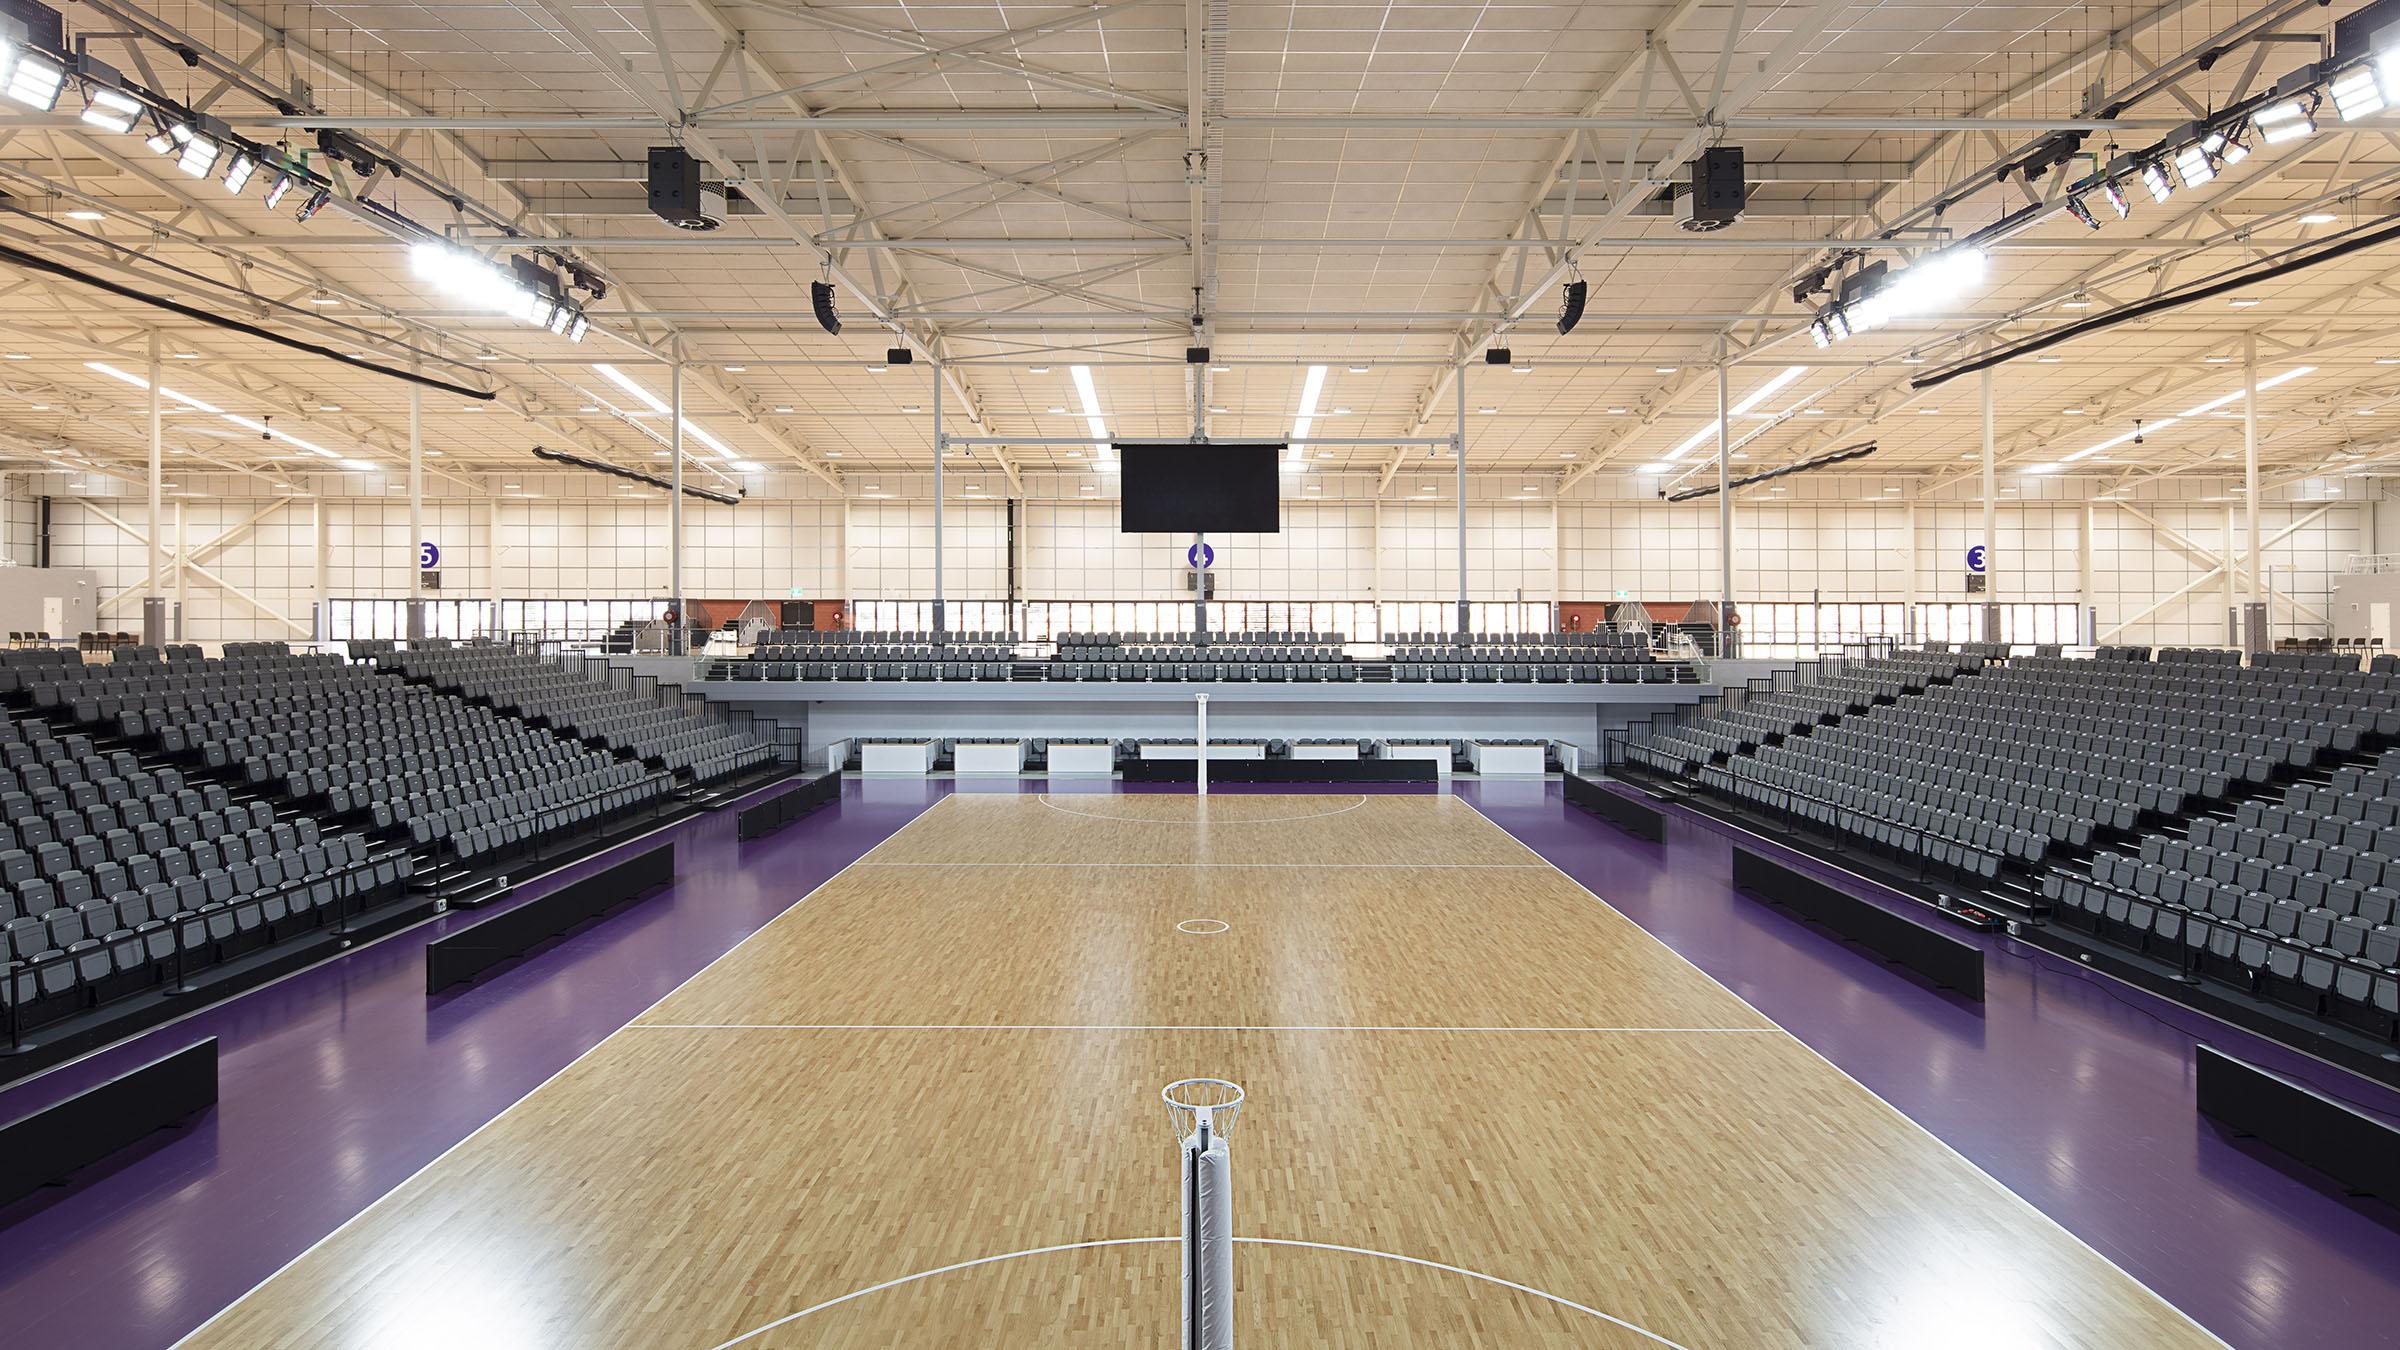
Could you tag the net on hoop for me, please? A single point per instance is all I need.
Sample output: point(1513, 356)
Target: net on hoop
point(1191, 1101)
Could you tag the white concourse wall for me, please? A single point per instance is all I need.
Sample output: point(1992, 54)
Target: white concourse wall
point(2153, 562)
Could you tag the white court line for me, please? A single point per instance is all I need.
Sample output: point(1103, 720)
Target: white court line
point(1589, 1311)
point(1071, 1026)
point(2036, 1210)
point(1044, 799)
point(465, 1139)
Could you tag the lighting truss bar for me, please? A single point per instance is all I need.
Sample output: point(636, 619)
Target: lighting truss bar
point(1061, 122)
point(1003, 244)
point(1846, 453)
point(633, 476)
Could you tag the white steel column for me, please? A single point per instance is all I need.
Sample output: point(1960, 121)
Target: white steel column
point(154, 603)
point(1728, 643)
point(2087, 623)
point(320, 534)
point(941, 451)
point(677, 636)
point(1991, 518)
point(182, 551)
point(414, 606)
point(1464, 627)
point(491, 555)
point(2258, 563)
point(1199, 433)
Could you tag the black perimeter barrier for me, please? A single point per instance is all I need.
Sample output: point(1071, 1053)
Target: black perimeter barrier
point(1284, 771)
point(48, 1146)
point(1943, 959)
point(778, 811)
point(462, 956)
point(1634, 815)
point(2350, 1146)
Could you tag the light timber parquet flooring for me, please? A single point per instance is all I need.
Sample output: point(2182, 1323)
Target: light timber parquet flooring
point(952, 1052)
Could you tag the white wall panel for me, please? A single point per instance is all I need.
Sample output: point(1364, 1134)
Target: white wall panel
point(1840, 543)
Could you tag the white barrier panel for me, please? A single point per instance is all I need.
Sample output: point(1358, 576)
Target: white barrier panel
point(906, 757)
point(998, 758)
point(1505, 761)
point(1097, 760)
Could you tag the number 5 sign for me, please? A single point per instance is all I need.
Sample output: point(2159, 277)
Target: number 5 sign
point(429, 556)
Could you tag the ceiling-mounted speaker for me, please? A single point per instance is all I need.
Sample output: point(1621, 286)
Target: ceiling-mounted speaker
point(898, 356)
point(677, 196)
point(1718, 191)
point(820, 299)
point(1195, 356)
point(1497, 356)
point(1572, 296)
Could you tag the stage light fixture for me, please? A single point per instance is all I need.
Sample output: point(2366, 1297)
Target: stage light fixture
point(1571, 301)
point(315, 203)
point(163, 140)
point(1821, 333)
point(2228, 146)
point(2357, 93)
point(2193, 166)
point(578, 328)
point(2114, 195)
point(35, 80)
point(237, 173)
point(2154, 178)
point(2286, 119)
point(2077, 209)
point(111, 110)
point(277, 189)
point(1837, 322)
point(199, 155)
point(820, 299)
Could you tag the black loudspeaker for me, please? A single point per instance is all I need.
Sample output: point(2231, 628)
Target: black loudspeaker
point(1570, 312)
point(1195, 356)
point(1497, 356)
point(820, 299)
point(1717, 183)
point(674, 184)
point(898, 356)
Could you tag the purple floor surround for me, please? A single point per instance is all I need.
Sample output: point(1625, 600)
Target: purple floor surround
point(341, 1081)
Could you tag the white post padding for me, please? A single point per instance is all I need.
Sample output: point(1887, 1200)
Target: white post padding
point(1201, 760)
point(1207, 1240)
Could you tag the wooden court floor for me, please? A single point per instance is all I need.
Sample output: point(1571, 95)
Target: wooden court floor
point(920, 1109)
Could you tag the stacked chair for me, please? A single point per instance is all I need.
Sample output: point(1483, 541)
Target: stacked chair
point(2003, 767)
point(316, 728)
point(119, 873)
point(1768, 718)
point(965, 656)
point(578, 706)
point(2295, 895)
point(1600, 657)
point(1254, 657)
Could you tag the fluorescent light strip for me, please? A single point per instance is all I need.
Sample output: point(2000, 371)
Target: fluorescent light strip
point(1307, 416)
point(1756, 396)
point(164, 392)
point(625, 382)
point(1092, 421)
point(2196, 410)
point(196, 405)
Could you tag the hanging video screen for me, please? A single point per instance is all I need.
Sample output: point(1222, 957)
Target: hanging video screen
point(1213, 488)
